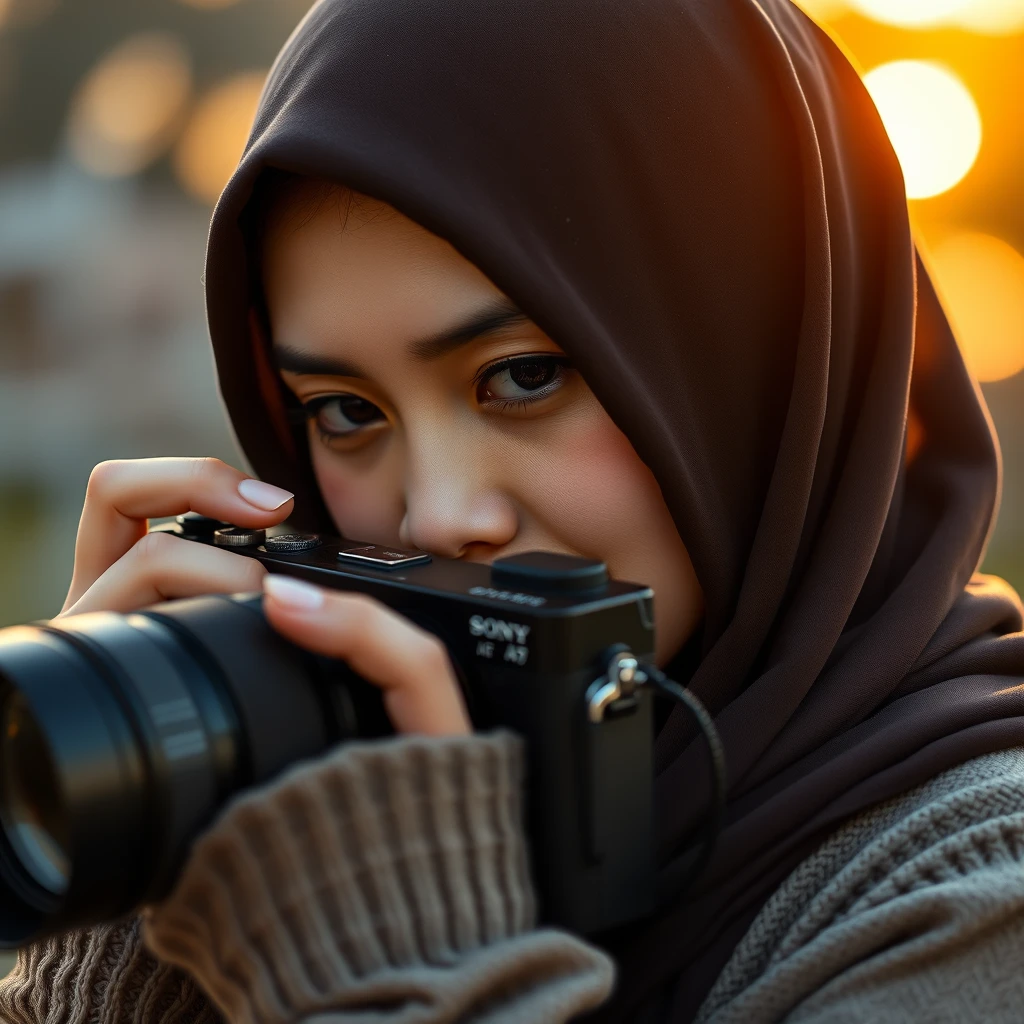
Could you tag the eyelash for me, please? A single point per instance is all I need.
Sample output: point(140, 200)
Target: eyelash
point(560, 364)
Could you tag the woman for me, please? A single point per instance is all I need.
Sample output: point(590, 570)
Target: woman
point(635, 282)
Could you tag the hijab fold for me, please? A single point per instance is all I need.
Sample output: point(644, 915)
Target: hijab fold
point(696, 199)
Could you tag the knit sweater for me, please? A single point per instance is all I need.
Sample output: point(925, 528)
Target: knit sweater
point(387, 883)
point(913, 911)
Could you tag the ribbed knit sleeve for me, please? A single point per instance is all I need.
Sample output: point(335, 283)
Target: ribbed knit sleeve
point(386, 882)
point(101, 976)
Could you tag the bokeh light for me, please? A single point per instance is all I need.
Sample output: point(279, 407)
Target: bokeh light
point(932, 121)
point(214, 138)
point(993, 17)
point(989, 17)
point(128, 109)
point(22, 13)
point(910, 13)
point(981, 280)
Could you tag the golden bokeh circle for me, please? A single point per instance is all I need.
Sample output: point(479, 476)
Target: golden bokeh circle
point(910, 13)
point(992, 17)
point(932, 120)
point(128, 108)
point(212, 142)
point(986, 17)
point(981, 281)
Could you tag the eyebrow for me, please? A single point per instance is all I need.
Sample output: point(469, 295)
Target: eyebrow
point(487, 320)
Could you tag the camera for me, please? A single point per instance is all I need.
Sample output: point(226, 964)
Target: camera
point(124, 734)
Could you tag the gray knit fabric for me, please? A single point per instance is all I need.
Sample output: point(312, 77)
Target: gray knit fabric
point(387, 884)
point(386, 881)
point(913, 911)
point(101, 976)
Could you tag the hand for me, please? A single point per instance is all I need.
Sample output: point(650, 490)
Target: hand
point(411, 665)
point(119, 567)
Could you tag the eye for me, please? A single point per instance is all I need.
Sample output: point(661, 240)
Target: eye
point(342, 415)
point(521, 380)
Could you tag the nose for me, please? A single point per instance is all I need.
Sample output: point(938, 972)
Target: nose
point(455, 502)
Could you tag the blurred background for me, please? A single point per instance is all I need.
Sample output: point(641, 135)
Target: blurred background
point(120, 121)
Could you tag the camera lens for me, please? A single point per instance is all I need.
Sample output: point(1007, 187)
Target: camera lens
point(123, 734)
point(31, 807)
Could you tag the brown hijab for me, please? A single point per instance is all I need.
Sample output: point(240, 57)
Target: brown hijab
point(697, 200)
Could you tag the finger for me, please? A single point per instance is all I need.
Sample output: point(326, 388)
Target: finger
point(123, 495)
point(409, 664)
point(161, 567)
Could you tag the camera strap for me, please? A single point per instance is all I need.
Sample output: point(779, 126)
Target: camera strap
point(651, 675)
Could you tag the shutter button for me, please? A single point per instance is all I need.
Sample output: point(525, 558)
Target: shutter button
point(545, 571)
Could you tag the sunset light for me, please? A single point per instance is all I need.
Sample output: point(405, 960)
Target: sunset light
point(987, 17)
point(129, 107)
point(981, 281)
point(823, 10)
point(910, 13)
point(215, 136)
point(993, 17)
point(932, 121)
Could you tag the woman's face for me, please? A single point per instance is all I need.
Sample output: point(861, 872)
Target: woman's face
point(443, 419)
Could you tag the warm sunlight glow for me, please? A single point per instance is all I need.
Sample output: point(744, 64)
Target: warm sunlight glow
point(215, 137)
point(824, 10)
point(128, 108)
point(981, 280)
point(910, 13)
point(5, 9)
point(993, 17)
point(932, 120)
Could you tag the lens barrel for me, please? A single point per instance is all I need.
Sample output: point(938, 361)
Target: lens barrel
point(31, 806)
point(124, 734)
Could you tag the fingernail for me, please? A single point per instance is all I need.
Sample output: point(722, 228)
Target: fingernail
point(264, 496)
point(293, 593)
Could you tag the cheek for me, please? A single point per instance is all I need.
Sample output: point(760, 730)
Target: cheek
point(590, 488)
point(593, 492)
point(361, 498)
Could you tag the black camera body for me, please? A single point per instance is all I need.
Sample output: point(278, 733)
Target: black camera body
point(123, 734)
